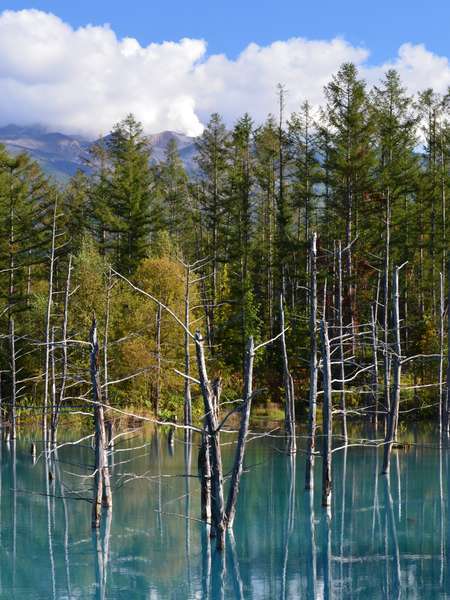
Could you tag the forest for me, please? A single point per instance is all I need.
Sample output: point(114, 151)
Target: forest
point(367, 174)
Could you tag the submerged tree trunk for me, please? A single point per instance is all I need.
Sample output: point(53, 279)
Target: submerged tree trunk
point(102, 485)
point(217, 500)
point(396, 366)
point(243, 431)
point(204, 468)
point(326, 416)
point(311, 444)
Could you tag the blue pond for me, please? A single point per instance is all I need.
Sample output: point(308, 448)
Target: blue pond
point(387, 538)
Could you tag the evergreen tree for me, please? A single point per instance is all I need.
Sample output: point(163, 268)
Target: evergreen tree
point(212, 159)
point(172, 187)
point(351, 161)
point(134, 209)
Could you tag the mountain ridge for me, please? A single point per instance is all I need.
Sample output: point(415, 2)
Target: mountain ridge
point(62, 155)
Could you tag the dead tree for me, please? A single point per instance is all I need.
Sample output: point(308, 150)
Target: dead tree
point(243, 431)
point(447, 399)
point(341, 344)
point(310, 444)
point(396, 377)
point(204, 471)
point(326, 416)
point(217, 499)
point(12, 342)
point(289, 410)
point(441, 354)
point(157, 393)
point(374, 336)
point(102, 484)
point(108, 420)
point(386, 355)
point(1, 405)
point(187, 356)
point(48, 314)
point(65, 361)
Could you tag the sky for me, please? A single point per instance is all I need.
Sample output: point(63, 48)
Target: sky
point(81, 66)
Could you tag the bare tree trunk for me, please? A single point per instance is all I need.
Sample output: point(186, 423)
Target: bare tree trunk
point(12, 342)
point(374, 365)
point(217, 501)
point(158, 360)
point(65, 361)
point(397, 366)
point(48, 327)
point(311, 443)
point(243, 431)
point(341, 345)
point(204, 467)
point(187, 356)
point(101, 477)
point(1, 408)
point(447, 400)
point(441, 354)
point(289, 526)
point(53, 407)
point(326, 417)
point(386, 357)
point(311, 551)
point(291, 445)
point(108, 420)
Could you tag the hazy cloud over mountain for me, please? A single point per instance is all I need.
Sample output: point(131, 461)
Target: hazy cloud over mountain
point(84, 80)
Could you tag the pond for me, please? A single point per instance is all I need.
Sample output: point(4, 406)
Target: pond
point(387, 538)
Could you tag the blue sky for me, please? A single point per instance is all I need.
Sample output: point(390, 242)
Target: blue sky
point(228, 26)
point(173, 63)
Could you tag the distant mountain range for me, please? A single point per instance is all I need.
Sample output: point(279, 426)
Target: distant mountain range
point(61, 155)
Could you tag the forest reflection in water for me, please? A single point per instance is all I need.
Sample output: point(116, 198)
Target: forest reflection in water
point(386, 538)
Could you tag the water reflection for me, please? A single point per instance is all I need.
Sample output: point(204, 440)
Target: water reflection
point(387, 538)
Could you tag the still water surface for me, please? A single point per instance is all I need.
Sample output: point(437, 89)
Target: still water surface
point(386, 539)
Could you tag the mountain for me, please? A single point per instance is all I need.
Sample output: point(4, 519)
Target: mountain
point(62, 155)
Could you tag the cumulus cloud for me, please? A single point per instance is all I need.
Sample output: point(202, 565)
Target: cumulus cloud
point(84, 80)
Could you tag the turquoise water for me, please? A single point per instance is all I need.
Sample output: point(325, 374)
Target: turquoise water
point(386, 538)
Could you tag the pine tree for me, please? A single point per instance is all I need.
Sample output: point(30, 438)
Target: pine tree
point(242, 320)
point(212, 158)
point(136, 215)
point(351, 160)
point(172, 188)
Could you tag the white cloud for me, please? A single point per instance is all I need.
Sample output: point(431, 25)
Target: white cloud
point(84, 80)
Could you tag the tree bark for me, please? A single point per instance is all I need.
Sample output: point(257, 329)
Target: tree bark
point(187, 356)
point(101, 477)
point(243, 431)
point(48, 326)
point(326, 416)
point(311, 444)
point(217, 500)
point(12, 342)
point(396, 366)
point(341, 345)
